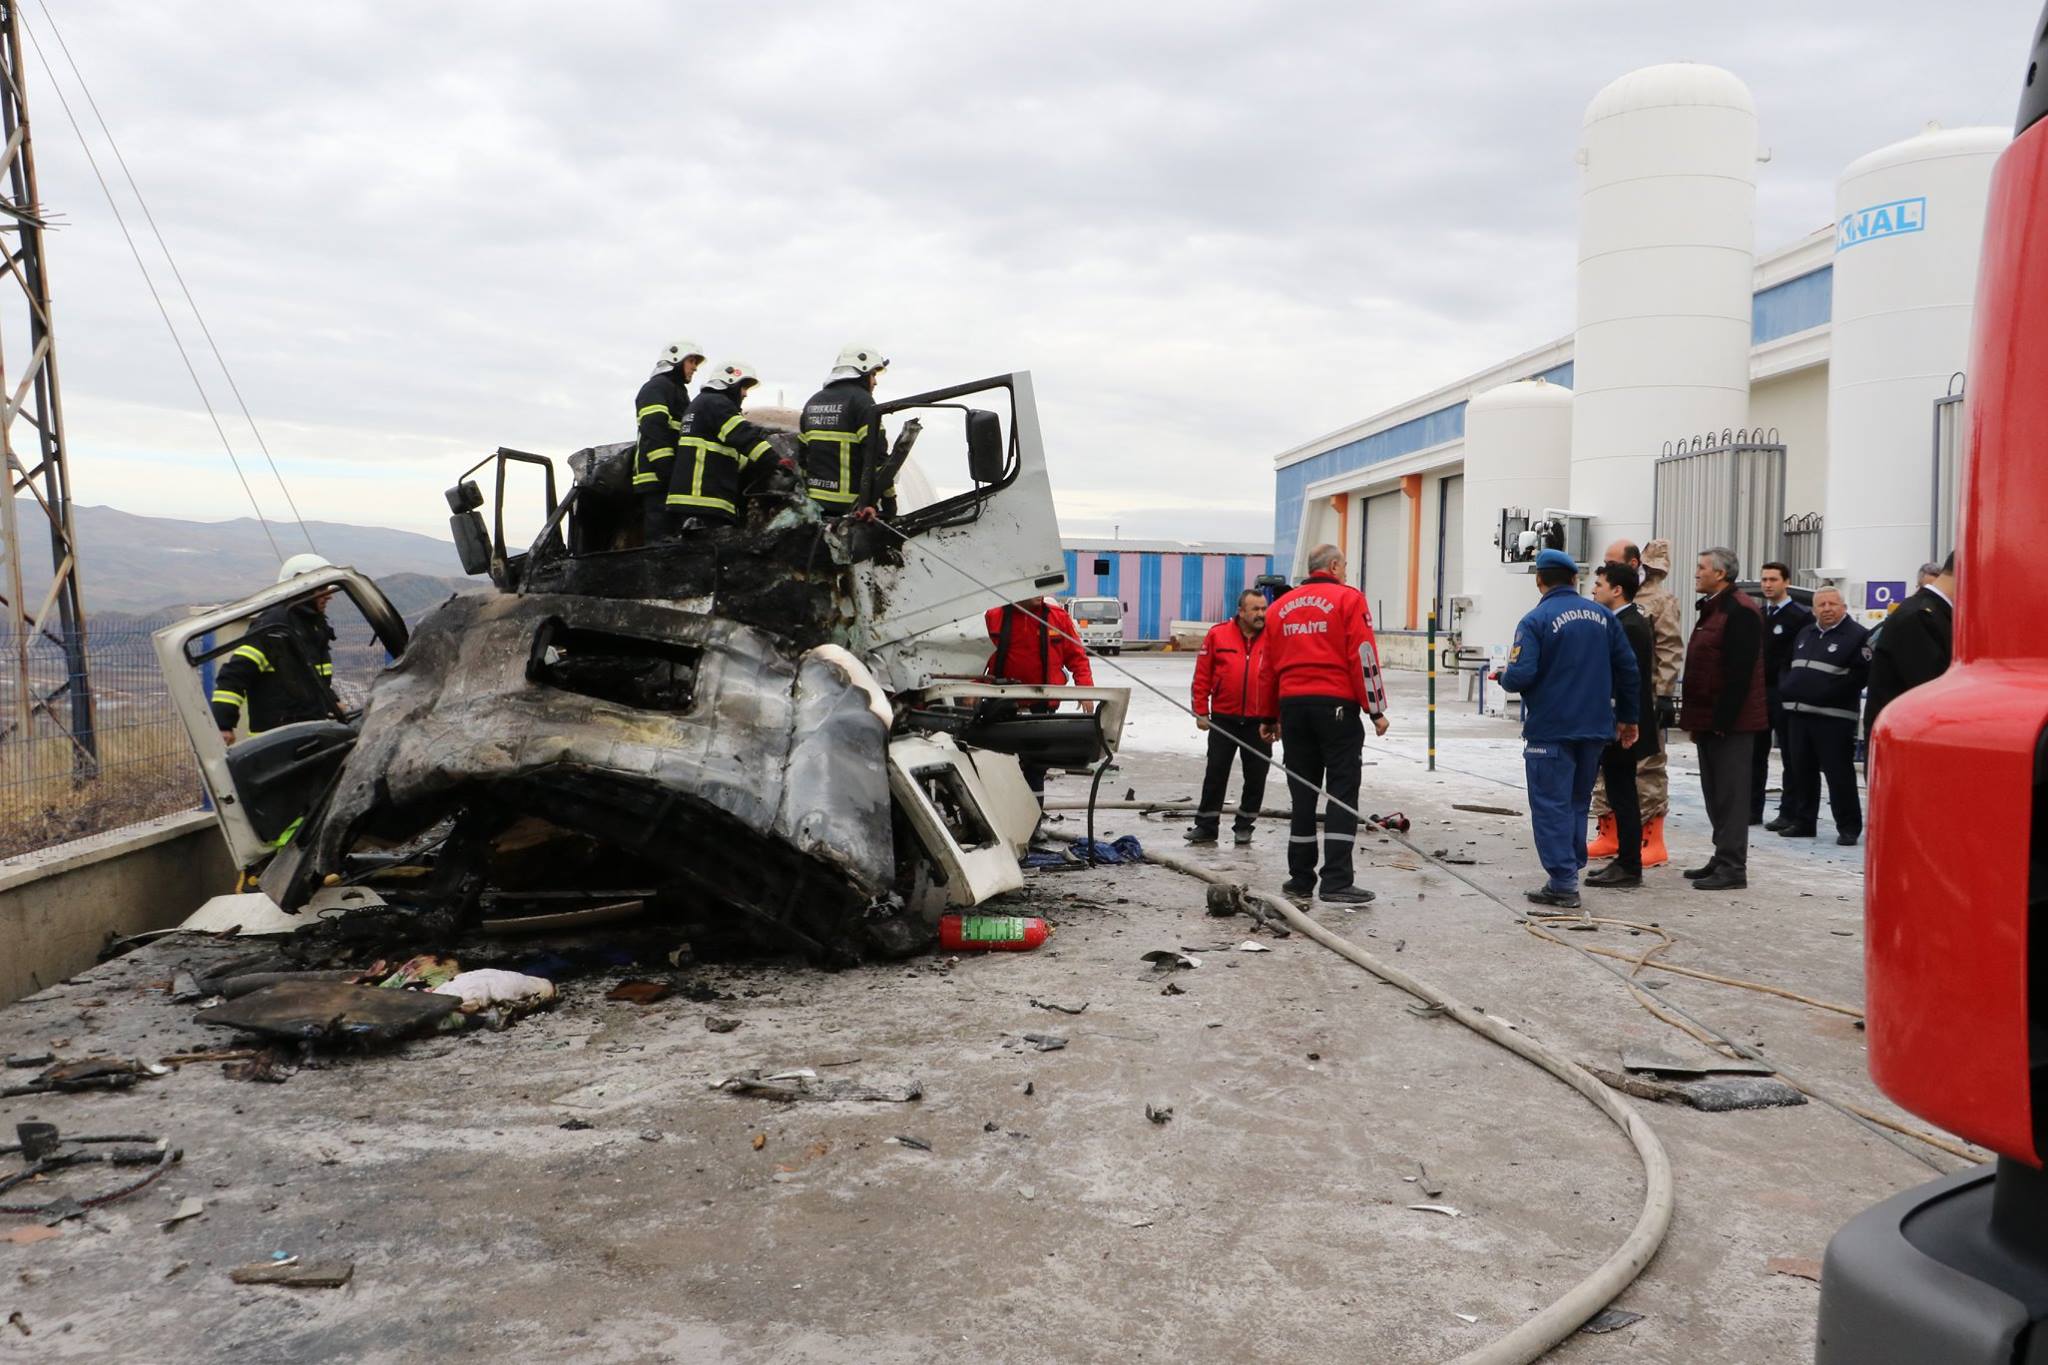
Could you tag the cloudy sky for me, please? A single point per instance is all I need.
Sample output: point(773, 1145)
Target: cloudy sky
point(1212, 231)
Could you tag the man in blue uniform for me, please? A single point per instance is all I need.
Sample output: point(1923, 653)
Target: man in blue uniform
point(1577, 674)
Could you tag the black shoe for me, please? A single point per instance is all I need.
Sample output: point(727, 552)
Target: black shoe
point(1780, 823)
point(1615, 877)
point(1847, 838)
point(1344, 895)
point(1693, 874)
point(1723, 879)
point(1563, 900)
point(1298, 892)
point(1201, 836)
point(1797, 832)
point(1240, 837)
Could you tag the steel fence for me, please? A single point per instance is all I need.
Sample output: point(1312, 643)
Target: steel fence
point(1802, 548)
point(1714, 491)
point(142, 766)
point(51, 790)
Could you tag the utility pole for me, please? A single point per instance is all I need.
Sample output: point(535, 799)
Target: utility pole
point(32, 441)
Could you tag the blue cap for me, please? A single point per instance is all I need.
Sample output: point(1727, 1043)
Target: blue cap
point(1555, 559)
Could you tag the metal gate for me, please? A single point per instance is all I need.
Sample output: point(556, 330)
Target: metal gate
point(1802, 548)
point(1948, 453)
point(1720, 490)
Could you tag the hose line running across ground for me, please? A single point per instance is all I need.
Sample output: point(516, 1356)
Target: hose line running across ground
point(1567, 1314)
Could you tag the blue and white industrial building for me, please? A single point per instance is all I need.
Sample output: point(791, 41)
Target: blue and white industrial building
point(1840, 345)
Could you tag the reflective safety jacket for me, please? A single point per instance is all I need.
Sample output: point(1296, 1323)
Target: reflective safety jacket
point(1227, 674)
point(1320, 647)
point(843, 439)
point(1828, 671)
point(658, 410)
point(716, 456)
point(283, 671)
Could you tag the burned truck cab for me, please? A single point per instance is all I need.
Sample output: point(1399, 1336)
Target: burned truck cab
point(740, 725)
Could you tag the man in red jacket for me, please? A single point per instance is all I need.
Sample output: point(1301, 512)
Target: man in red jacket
point(1322, 666)
point(1036, 642)
point(1232, 709)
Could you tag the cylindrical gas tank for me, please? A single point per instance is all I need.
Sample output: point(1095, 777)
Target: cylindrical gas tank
point(1666, 263)
point(1518, 453)
point(1909, 224)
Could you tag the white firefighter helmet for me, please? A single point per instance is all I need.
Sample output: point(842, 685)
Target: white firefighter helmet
point(301, 564)
point(732, 374)
point(856, 360)
point(676, 354)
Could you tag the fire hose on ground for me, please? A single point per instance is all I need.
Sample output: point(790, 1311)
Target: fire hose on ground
point(1567, 1314)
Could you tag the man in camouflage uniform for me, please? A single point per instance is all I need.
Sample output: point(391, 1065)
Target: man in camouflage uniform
point(1653, 786)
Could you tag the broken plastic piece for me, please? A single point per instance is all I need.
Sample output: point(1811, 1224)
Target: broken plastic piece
point(1167, 960)
point(315, 1011)
point(641, 992)
point(914, 1144)
point(295, 1274)
point(188, 1208)
point(804, 1084)
point(1159, 1113)
point(1444, 1209)
point(1610, 1320)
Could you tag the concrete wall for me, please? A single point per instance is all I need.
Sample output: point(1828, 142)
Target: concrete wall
point(59, 906)
point(1797, 405)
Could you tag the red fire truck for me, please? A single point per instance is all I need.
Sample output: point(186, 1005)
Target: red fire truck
point(1956, 1272)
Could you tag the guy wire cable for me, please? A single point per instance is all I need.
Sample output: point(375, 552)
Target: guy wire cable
point(155, 297)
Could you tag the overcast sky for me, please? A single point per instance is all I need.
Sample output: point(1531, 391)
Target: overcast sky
point(1211, 231)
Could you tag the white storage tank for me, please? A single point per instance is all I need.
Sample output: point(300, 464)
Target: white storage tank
point(1909, 222)
point(1666, 262)
point(1518, 453)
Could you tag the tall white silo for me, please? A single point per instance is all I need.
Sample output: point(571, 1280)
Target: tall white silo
point(1518, 453)
point(1909, 222)
point(1666, 262)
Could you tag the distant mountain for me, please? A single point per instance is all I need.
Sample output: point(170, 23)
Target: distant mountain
point(137, 566)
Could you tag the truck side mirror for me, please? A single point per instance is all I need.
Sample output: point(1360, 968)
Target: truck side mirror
point(472, 541)
point(985, 453)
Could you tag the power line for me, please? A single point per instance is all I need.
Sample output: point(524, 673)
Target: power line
point(176, 273)
point(164, 312)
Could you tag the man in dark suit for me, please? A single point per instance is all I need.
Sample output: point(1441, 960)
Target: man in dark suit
point(1614, 587)
point(1783, 620)
point(1912, 645)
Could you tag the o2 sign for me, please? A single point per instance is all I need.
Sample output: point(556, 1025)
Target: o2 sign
point(1884, 596)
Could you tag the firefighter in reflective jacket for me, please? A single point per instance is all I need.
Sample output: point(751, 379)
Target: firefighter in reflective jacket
point(843, 439)
point(1036, 642)
point(658, 411)
point(283, 671)
point(720, 455)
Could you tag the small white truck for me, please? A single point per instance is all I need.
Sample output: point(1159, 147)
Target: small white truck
point(1100, 621)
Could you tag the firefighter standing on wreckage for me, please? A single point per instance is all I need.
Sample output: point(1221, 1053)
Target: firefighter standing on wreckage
point(283, 671)
point(1322, 665)
point(720, 456)
point(658, 414)
point(844, 446)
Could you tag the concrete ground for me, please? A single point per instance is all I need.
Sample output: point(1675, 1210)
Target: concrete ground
point(1268, 1219)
